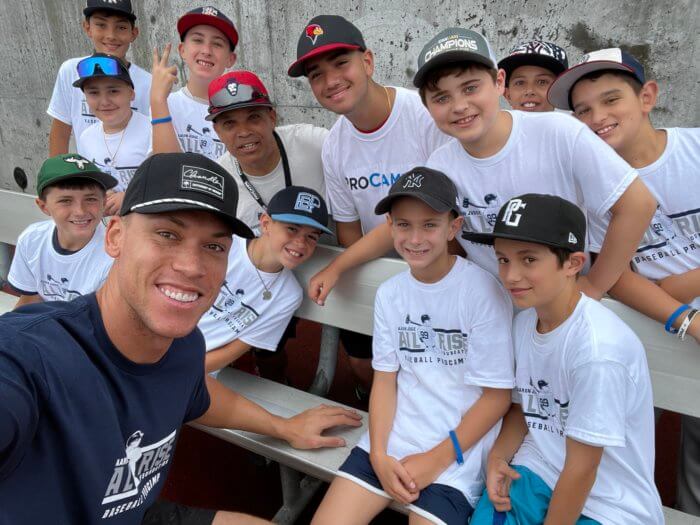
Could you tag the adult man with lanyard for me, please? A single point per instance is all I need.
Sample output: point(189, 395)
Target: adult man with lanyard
point(262, 158)
point(94, 391)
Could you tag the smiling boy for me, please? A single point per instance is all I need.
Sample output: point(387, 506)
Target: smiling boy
point(577, 445)
point(110, 26)
point(121, 139)
point(64, 258)
point(207, 46)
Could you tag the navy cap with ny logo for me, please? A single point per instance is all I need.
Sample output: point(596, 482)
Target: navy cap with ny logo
point(431, 186)
point(541, 219)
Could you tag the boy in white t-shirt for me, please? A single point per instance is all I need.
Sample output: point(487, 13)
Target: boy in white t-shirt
point(432, 412)
point(577, 445)
point(207, 47)
point(609, 92)
point(530, 68)
point(121, 138)
point(381, 133)
point(64, 258)
point(262, 158)
point(111, 28)
point(260, 293)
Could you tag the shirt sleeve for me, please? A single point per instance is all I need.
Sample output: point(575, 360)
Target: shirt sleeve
point(597, 404)
point(267, 331)
point(384, 356)
point(338, 196)
point(21, 276)
point(60, 104)
point(433, 138)
point(490, 361)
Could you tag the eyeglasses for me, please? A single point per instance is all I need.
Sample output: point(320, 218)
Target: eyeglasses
point(99, 65)
point(235, 93)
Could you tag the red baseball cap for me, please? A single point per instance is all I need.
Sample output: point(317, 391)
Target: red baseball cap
point(322, 34)
point(208, 16)
point(234, 90)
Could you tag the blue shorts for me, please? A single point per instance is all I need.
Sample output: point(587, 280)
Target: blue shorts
point(438, 503)
point(529, 499)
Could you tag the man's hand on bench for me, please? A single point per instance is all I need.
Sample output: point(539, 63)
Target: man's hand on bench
point(305, 430)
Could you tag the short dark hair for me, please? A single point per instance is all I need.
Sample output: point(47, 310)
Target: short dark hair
point(107, 12)
point(627, 78)
point(562, 254)
point(77, 183)
point(434, 76)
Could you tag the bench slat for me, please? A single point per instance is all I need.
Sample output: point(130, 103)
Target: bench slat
point(18, 211)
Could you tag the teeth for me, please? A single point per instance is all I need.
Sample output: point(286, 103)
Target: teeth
point(248, 146)
point(205, 64)
point(465, 120)
point(606, 129)
point(529, 104)
point(295, 254)
point(81, 223)
point(179, 296)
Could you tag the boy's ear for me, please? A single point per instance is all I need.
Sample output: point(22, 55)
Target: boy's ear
point(134, 32)
point(368, 62)
point(501, 81)
point(86, 26)
point(455, 227)
point(648, 96)
point(41, 204)
point(231, 59)
point(265, 221)
point(114, 235)
point(273, 116)
point(575, 263)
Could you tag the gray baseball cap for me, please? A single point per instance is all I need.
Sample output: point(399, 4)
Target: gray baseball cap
point(454, 45)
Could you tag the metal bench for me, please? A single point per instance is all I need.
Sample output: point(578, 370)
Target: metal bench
point(675, 365)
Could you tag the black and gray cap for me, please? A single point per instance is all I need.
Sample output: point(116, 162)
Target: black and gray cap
point(184, 181)
point(299, 205)
point(542, 219)
point(120, 7)
point(431, 186)
point(451, 46)
point(535, 53)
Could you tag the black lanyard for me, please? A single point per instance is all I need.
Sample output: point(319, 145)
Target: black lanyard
point(285, 166)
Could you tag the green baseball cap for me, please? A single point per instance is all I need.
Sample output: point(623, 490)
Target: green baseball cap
point(71, 166)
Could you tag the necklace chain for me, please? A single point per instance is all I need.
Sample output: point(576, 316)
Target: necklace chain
point(267, 294)
point(116, 152)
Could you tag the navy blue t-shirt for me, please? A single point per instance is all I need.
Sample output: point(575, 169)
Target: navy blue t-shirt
point(86, 435)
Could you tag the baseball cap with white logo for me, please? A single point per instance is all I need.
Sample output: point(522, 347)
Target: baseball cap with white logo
point(433, 187)
point(541, 219)
point(184, 181)
point(452, 46)
point(299, 205)
point(616, 59)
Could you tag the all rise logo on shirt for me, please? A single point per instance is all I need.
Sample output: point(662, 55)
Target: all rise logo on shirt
point(540, 405)
point(58, 289)
point(670, 235)
point(230, 308)
point(424, 343)
point(202, 142)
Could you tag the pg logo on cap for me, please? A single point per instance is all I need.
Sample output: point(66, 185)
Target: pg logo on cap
point(511, 218)
point(415, 180)
point(313, 31)
point(307, 202)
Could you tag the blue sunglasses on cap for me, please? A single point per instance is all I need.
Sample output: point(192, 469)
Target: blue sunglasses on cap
point(102, 66)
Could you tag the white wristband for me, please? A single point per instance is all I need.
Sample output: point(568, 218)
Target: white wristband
point(686, 324)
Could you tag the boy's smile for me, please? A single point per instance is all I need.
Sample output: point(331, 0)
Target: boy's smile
point(76, 213)
point(339, 80)
point(527, 88)
point(110, 34)
point(110, 101)
point(207, 52)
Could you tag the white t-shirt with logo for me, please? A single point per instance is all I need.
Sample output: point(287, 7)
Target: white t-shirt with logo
point(303, 144)
point(240, 312)
point(588, 380)
point(196, 134)
point(671, 245)
point(68, 103)
point(38, 268)
point(361, 167)
point(547, 153)
point(131, 147)
point(447, 340)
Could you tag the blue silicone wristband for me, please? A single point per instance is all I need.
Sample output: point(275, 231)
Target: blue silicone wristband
point(161, 120)
point(457, 447)
point(672, 319)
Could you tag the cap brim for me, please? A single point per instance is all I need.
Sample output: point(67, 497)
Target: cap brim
point(489, 238)
point(450, 57)
point(511, 63)
point(160, 206)
point(297, 68)
point(291, 218)
point(558, 94)
point(188, 21)
point(103, 179)
point(81, 81)
point(384, 205)
point(221, 111)
point(89, 10)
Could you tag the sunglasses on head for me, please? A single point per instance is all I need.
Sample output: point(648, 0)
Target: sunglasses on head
point(235, 93)
point(99, 65)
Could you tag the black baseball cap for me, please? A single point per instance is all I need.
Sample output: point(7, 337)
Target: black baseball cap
point(452, 46)
point(184, 181)
point(120, 7)
point(325, 33)
point(102, 65)
point(613, 59)
point(299, 205)
point(535, 53)
point(208, 16)
point(431, 186)
point(542, 219)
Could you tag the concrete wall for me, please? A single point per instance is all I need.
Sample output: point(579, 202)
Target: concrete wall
point(39, 34)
